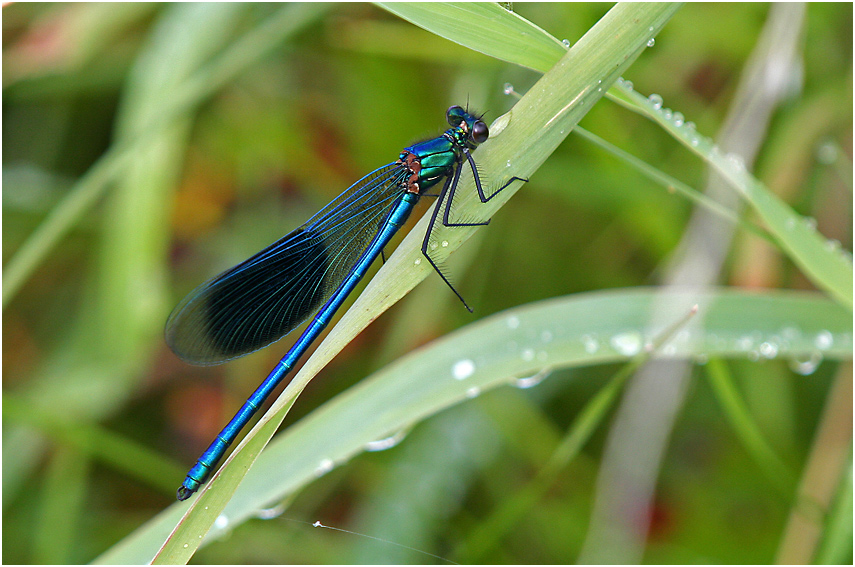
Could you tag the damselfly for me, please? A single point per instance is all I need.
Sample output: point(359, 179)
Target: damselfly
point(315, 267)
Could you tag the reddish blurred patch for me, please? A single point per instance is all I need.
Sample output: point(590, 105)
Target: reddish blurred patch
point(708, 81)
point(661, 521)
point(196, 411)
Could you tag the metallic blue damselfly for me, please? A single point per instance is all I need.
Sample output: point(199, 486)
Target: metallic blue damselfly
point(315, 268)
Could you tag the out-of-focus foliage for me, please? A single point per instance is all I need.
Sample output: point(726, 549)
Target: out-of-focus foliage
point(89, 385)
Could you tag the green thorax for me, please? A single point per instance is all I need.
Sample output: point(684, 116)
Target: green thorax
point(438, 157)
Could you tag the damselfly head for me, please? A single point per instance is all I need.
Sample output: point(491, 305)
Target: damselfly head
point(475, 128)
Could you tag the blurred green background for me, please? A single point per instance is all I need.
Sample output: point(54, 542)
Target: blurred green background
point(89, 384)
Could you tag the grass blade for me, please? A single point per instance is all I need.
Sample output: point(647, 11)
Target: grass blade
point(580, 330)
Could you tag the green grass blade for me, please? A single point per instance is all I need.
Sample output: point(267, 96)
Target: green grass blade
point(580, 330)
point(63, 496)
point(485, 27)
point(821, 260)
point(671, 183)
point(836, 546)
point(746, 427)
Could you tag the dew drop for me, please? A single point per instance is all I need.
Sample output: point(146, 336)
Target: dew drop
point(325, 466)
point(221, 522)
point(655, 100)
point(736, 161)
point(508, 89)
point(417, 261)
point(533, 380)
point(824, 340)
point(463, 369)
point(528, 354)
point(445, 243)
point(270, 513)
point(628, 343)
point(806, 366)
point(651, 42)
point(768, 349)
point(627, 84)
point(678, 119)
point(566, 43)
point(667, 114)
point(591, 344)
point(499, 125)
point(473, 392)
point(513, 322)
point(387, 443)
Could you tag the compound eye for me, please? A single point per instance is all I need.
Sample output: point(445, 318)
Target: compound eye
point(479, 133)
point(455, 115)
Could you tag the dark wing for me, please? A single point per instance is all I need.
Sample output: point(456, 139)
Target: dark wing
point(265, 297)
